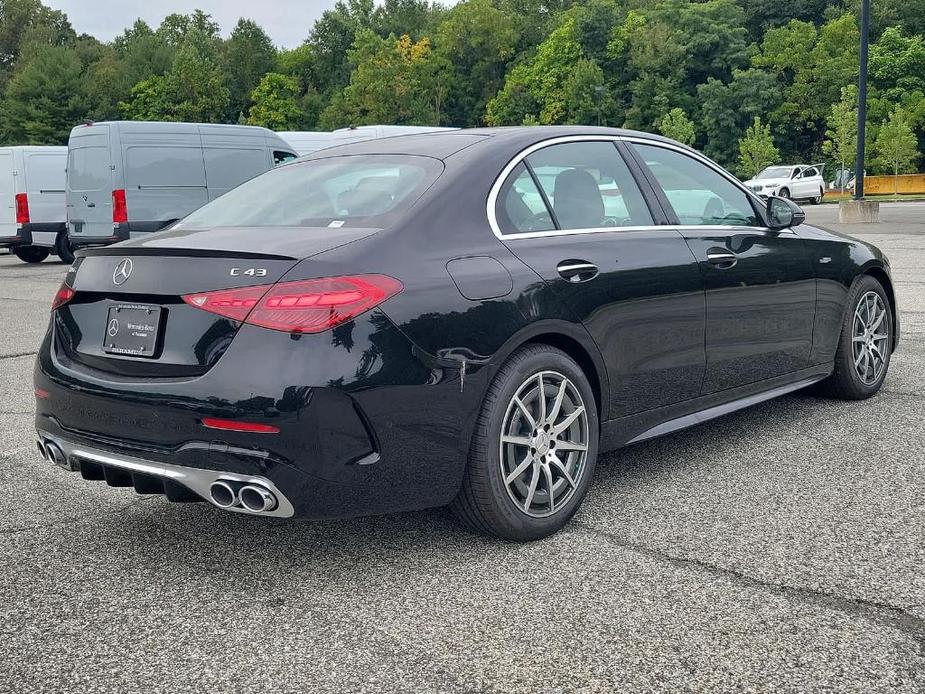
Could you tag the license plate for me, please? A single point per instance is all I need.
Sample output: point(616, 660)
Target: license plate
point(132, 330)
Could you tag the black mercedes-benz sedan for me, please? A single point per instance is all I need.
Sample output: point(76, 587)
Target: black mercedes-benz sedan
point(464, 318)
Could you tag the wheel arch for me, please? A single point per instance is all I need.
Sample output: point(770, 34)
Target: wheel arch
point(881, 275)
point(576, 343)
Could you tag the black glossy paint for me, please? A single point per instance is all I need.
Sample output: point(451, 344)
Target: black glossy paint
point(377, 414)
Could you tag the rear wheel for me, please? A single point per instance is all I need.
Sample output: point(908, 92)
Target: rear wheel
point(31, 254)
point(533, 450)
point(818, 199)
point(865, 344)
point(63, 248)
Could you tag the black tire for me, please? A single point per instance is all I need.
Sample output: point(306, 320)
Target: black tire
point(31, 254)
point(846, 382)
point(818, 199)
point(63, 248)
point(784, 193)
point(484, 502)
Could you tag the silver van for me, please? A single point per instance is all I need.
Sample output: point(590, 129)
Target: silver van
point(126, 178)
point(32, 218)
point(308, 141)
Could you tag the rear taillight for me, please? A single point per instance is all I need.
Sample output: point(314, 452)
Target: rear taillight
point(119, 210)
point(22, 208)
point(304, 306)
point(62, 296)
point(235, 425)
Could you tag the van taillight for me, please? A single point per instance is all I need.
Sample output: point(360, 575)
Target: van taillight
point(22, 208)
point(303, 306)
point(119, 210)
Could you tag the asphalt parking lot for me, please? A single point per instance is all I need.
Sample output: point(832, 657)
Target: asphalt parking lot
point(777, 549)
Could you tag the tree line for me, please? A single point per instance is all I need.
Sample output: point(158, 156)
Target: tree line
point(750, 82)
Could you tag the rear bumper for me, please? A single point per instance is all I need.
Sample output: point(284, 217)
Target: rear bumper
point(177, 482)
point(23, 237)
point(358, 434)
point(120, 232)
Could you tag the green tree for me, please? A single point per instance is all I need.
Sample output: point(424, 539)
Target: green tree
point(756, 149)
point(332, 38)
point(24, 22)
point(393, 82)
point(248, 55)
point(842, 135)
point(44, 99)
point(477, 41)
point(275, 103)
point(192, 90)
point(676, 125)
point(896, 146)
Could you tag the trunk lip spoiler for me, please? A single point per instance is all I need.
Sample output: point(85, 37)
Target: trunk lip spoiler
point(135, 251)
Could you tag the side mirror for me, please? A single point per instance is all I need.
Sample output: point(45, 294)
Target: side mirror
point(783, 213)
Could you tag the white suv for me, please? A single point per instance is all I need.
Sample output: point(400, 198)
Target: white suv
point(798, 181)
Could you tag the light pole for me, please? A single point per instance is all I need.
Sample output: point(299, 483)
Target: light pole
point(862, 101)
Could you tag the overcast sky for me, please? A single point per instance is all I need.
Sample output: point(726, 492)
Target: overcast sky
point(286, 21)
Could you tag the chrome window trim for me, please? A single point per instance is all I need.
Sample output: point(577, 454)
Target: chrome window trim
point(523, 154)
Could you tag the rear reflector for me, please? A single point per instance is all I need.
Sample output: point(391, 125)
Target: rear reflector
point(119, 210)
point(232, 425)
point(62, 296)
point(41, 394)
point(22, 208)
point(304, 306)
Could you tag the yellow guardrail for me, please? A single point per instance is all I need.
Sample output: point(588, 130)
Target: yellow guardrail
point(887, 185)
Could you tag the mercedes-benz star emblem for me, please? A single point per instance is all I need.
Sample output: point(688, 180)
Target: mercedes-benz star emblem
point(123, 271)
point(113, 327)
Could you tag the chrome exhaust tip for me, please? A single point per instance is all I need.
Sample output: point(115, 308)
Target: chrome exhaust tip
point(223, 494)
point(41, 447)
point(257, 499)
point(55, 455)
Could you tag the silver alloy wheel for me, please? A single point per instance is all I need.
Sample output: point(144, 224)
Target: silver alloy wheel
point(783, 193)
point(544, 443)
point(870, 338)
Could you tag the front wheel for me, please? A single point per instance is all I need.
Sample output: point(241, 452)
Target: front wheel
point(31, 254)
point(533, 449)
point(63, 248)
point(865, 345)
point(783, 193)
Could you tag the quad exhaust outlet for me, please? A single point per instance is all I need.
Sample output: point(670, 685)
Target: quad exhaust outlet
point(253, 498)
point(229, 491)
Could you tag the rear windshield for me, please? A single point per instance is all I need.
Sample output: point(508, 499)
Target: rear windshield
point(358, 190)
point(88, 168)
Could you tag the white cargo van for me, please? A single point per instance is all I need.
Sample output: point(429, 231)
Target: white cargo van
point(307, 141)
point(32, 218)
point(357, 133)
point(126, 178)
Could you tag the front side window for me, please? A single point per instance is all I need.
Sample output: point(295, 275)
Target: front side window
point(699, 195)
point(352, 190)
point(809, 173)
point(589, 186)
point(279, 157)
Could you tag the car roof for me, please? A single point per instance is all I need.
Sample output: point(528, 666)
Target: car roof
point(442, 145)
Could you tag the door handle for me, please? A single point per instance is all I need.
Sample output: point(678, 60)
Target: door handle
point(577, 270)
point(91, 204)
point(722, 258)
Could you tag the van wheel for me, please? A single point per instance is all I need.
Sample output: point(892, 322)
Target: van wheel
point(63, 248)
point(31, 254)
point(533, 449)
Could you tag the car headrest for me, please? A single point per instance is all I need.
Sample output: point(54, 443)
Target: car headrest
point(577, 200)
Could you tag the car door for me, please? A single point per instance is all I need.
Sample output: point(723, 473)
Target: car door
point(760, 284)
point(811, 184)
point(574, 212)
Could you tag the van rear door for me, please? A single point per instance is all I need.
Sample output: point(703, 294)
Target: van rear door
point(89, 184)
point(7, 195)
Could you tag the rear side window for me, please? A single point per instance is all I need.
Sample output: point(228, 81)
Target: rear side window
point(699, 195)
point(227, 167)
point(589, 186)
point(358, 190)
point(521, 206)
point(88, 169)
point(164, 167)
